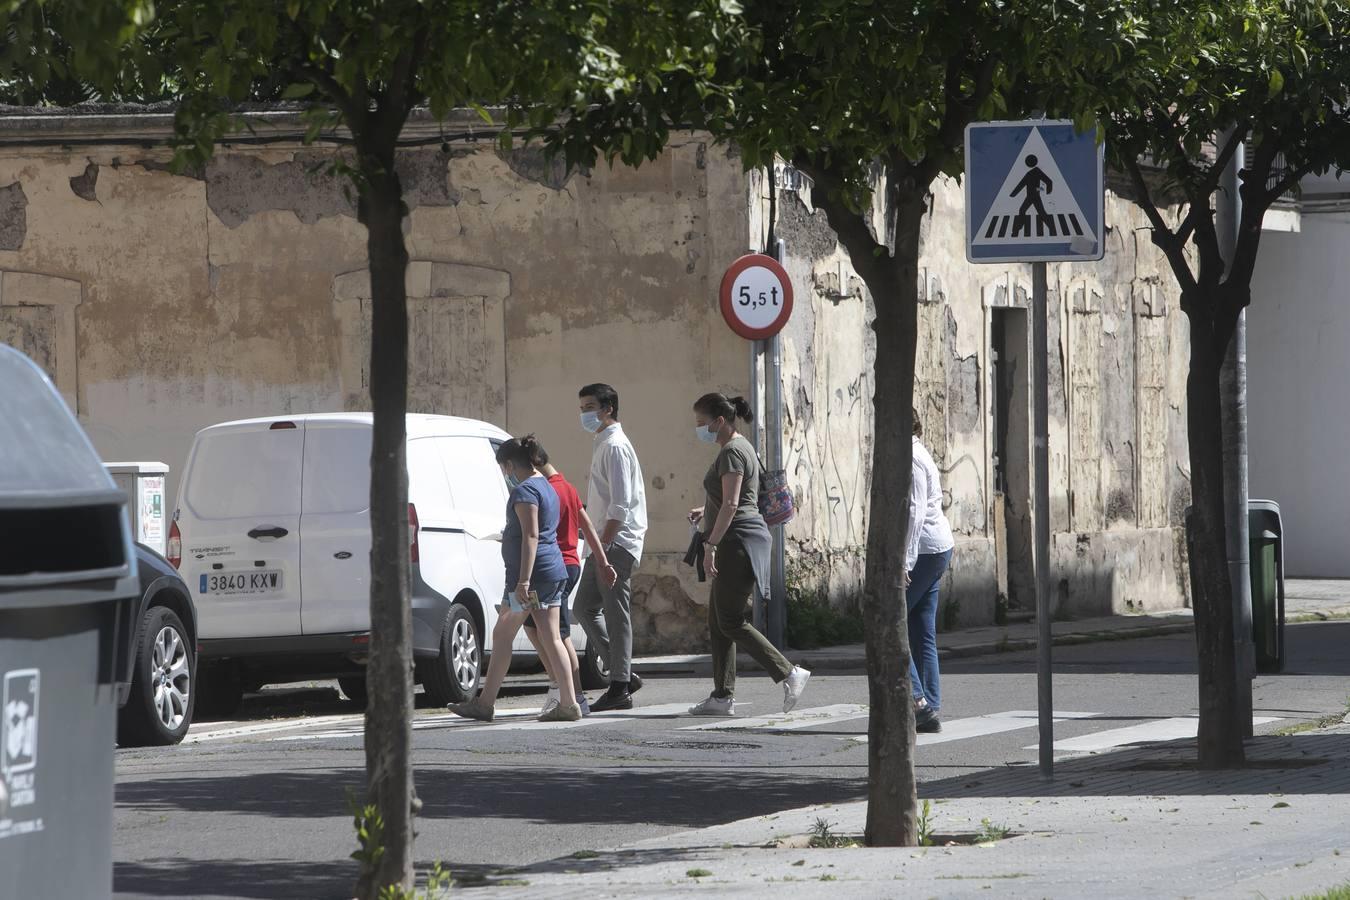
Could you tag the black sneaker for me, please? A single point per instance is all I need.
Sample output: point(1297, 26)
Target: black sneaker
point(610, 701)
point(634, 683)
point(926, 721)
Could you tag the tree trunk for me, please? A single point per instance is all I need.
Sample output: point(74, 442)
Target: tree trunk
point(892, 795)
point(389, 672)
point(1220, 739)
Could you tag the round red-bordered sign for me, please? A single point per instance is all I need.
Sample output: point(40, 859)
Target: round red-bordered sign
point(756, 297)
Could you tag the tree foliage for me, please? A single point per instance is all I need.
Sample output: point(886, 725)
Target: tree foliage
point(871, 101)
point(365, 66)
point(1206, 79)
point(60, 52)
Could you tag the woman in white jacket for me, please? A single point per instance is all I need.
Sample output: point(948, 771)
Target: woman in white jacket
point(928, 554)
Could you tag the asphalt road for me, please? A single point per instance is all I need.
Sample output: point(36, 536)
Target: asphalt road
point(257, 807)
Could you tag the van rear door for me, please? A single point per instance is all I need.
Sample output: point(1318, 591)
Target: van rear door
point(239, 517)
point(335, 553)
point(479, 494)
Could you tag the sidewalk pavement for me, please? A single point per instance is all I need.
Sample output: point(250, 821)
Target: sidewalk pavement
point(1137, 823)
point(1306, 600)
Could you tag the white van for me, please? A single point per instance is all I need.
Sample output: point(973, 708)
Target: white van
point(272, 535)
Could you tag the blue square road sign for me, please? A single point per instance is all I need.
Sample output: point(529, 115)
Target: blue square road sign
point(1034, 192)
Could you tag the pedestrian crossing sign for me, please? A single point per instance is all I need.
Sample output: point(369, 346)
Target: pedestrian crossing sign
point(1034, 192)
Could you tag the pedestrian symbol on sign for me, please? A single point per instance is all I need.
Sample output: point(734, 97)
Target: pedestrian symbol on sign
point(1031, 183)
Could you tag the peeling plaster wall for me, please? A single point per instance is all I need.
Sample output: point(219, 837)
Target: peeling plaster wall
point(164, 303)
point(1117, 429)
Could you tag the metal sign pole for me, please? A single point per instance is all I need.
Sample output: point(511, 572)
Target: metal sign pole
point(777, 615)
point(1040, 354)
point(757, 614)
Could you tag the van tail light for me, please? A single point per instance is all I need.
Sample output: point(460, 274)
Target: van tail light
point(414, 554)
point(174, 550)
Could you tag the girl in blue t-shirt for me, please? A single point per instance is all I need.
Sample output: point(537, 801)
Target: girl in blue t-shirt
point(536, 581)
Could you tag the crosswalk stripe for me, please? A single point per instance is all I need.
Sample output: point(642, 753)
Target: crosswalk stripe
point(797, 719)
point(980, 726)
point(1174, 729)
point(240, 730)
point(507, 720)
point(1051, 225)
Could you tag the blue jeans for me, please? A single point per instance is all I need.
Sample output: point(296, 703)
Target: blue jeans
point(922, 600)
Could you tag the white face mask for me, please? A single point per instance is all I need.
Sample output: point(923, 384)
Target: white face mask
point(704, 435)
point(590, 421)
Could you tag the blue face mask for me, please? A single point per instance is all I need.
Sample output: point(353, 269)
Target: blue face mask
point(590, 421)
point(512, 482)
point(704, 435)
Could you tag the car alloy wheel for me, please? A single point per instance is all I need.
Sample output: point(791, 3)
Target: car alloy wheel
point(170, 676)
point(464, 655)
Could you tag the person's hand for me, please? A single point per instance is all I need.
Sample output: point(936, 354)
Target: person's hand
point(907, 579)
point(696, 515)
point(523, 594)
point(609, 575)
point(710, 562)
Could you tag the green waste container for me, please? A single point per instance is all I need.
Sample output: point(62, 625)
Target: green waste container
point(1266, 543)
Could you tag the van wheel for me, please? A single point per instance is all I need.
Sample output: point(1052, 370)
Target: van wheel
point(594, 668)
point(159, 709)
point(354, 689)
point(452, 677)
point(219, 690)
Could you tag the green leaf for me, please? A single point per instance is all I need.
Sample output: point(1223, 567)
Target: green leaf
point(298, 91)
point(1276, 82)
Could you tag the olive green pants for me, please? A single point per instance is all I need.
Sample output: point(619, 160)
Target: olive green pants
point(729, 630)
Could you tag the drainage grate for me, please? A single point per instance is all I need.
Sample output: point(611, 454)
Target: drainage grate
point(702, 745)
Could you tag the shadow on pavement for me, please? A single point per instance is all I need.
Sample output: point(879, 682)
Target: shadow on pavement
point(248, 879)
point(1306, 764)
point(1312, 648)
point(657, 795)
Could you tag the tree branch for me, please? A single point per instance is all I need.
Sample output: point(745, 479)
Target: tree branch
point(1172, 247)
point(1256, 200)
point(1207, 240)
point(354, 114)
point(1286, 184)
point(1225, 156)
point(851, 227)
point(958, 110)
point(402, 92)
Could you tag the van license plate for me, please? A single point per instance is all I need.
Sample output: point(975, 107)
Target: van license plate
point(227, 584)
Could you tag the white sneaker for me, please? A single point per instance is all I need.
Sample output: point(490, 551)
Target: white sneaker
point(550, 705)
point(793, 687)
point(553, 692)
point(714, 706)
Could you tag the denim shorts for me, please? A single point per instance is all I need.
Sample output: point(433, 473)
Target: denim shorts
point(564, 614)
point(550, 594)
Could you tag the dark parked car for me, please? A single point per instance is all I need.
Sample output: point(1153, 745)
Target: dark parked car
point(157, 694)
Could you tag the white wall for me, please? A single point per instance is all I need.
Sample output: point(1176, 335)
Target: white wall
point(1298, 358)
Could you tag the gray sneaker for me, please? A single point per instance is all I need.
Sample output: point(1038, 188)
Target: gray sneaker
point(561, 713)
point(714, 706)
point(474, 709)
point(793, 686)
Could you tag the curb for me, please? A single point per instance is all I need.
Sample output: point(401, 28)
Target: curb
point(854, 662)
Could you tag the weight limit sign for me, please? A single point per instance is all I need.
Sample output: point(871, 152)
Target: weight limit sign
point(756, 297)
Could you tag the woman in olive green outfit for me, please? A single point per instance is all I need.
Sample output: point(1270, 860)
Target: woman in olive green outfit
point(736, 546)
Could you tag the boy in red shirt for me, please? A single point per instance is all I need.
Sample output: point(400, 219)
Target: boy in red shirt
point(572, 523)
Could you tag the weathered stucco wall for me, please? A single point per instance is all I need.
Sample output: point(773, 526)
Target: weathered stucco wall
point(1117, 383)
point(164, 303)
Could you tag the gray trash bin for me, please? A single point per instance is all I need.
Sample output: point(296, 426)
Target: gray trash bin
point(67, 588)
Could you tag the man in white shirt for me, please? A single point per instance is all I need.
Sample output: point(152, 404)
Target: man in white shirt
point(928, 554)
point(616, 502)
